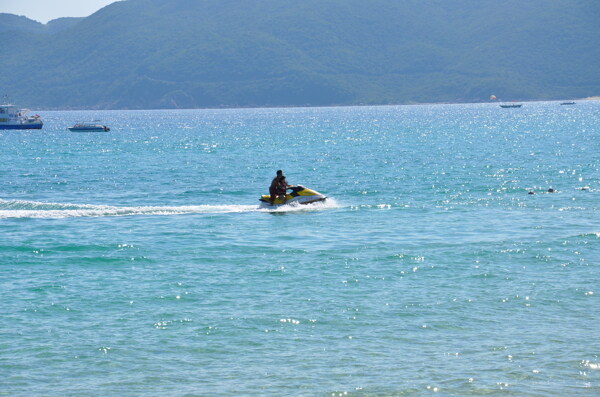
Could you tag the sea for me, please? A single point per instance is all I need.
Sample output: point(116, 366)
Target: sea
point(457, 254)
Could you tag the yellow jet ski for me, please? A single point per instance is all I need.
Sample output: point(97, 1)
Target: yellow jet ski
point(299, 194)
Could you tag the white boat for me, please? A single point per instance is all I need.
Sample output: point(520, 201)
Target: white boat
point(88, 127)
point(13, 118)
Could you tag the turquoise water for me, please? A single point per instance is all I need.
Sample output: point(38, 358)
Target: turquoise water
point(138, 262)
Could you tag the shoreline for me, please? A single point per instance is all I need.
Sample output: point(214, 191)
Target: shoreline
point(592, 98)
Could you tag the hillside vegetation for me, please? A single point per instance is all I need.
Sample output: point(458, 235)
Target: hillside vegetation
point(214, 53)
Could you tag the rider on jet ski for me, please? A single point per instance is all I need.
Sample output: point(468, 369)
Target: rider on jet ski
point(278, 187)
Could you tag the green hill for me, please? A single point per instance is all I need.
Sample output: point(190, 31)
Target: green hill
point(14, 23)
point(212, 53)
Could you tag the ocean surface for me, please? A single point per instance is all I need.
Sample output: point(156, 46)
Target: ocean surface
point(138, 262)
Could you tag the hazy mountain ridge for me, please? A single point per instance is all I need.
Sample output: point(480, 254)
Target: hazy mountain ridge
point(208, 53)
point(15, 23)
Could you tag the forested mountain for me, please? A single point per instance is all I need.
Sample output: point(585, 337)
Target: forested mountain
point(212, 53)
point(13, 23)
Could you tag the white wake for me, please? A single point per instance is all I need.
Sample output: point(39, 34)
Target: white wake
point(34, 209)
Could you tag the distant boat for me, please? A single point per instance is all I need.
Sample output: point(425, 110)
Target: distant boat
point(568, 103)
point(88, 127)
point(13, 118)
point(514, 105)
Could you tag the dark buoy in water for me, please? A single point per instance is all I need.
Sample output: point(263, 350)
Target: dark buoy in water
point(551, 190)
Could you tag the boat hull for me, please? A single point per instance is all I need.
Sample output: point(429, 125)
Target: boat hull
point(303, 200)
point(88, 129)
point(21, 126)
point(299, 194)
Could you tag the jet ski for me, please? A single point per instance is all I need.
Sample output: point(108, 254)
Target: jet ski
point(299, 194)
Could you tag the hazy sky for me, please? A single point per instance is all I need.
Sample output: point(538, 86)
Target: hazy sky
point(46, 10)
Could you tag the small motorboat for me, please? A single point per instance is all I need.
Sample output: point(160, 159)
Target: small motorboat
point(88, 127)
point(568, 103)
point(512, 105)
point(299, 194)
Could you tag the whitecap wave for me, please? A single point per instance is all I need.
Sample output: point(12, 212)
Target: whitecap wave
point(34, 209)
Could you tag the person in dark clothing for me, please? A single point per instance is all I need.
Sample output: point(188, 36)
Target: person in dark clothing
point(278, 187)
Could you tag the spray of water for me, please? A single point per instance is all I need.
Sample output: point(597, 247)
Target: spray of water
point(34, 209)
